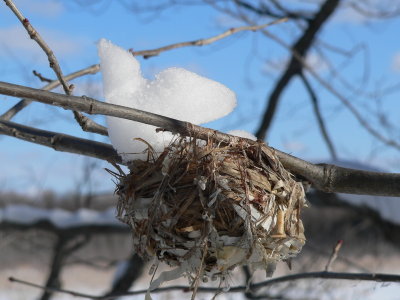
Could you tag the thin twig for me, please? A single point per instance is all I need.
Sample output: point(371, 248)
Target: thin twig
point(334, 255)
point(238, 289)
point(328, 178)
point(34, 35)
point(203, 42)
point(320, 120)
point(41, 77)
point(85, 123)
point(8, 115)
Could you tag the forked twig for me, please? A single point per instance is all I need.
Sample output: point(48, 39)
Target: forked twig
point(9, 114)
point(85, 123)
point(207, 41)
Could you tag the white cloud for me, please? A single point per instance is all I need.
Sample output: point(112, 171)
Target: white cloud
point(17, 40)
point(44, 8)
point(396, 62)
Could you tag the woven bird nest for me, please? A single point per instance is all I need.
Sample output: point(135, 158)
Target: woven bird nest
point(206, 208)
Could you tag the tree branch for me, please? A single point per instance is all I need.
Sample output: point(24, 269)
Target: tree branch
point(41, 77)
point(8, 115)
point(376, 277)
point(133, 271)
point(317, 112)
point(301, 47)
point(85, 123)
point(363, 122)
point(328, 178)
point(265, 11)
point(60, 142)
point(203, 42)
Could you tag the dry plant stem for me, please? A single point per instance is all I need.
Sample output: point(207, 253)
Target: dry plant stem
point(8, 115)
point(60, 142)
point(238, 289)
point(328, 178)
point(334, 255)
point(203, 42)
point(83, 121)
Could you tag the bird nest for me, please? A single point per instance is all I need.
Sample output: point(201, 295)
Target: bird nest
point(206, 208)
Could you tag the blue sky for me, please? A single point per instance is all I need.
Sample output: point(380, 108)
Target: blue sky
point(239, 62)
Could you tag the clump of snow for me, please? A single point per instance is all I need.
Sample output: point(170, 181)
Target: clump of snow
point(243, 134)
point(175, 93)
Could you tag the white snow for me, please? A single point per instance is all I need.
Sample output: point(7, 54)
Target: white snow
point(243, 134)
point(25, 214)
point(174, 92)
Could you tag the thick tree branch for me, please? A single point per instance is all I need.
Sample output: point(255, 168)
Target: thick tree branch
point(301, 47)
point(317, 112)
point(375, 277)
point(328, 178)
point(207, 41)
point(60, 142)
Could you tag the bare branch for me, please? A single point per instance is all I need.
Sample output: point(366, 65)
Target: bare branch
point(376, 277)
point(41, 77)
point(300, 47)
point(334, 255)
point(317, 112)
point(328, 178)
point(346, 102)
point(133, 271)
point(34, 35)
point(85, 123)
point(203, 42)
point(266, 11)
point(60, 142)
point(8, 115)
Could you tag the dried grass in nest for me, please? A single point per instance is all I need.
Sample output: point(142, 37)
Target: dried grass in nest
point(207, 208)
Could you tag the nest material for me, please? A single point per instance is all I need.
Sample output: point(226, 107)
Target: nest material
point(207, 208)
